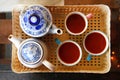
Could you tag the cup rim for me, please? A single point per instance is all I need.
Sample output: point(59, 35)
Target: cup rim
point(106, 39)
point(47, 28)
point(83, 16)
point(74, 63)
point(34, 64)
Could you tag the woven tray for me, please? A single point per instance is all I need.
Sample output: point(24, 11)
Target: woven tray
point(100, 21)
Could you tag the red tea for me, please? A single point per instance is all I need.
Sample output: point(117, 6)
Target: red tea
point(69, 52)
point(95, 42)
point(75, 23)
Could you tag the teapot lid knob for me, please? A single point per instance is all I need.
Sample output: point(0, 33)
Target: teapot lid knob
point(34, 19)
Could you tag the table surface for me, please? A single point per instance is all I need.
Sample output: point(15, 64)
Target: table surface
point(6, 26)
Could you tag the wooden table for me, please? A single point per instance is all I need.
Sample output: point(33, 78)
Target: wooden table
point(6, 24)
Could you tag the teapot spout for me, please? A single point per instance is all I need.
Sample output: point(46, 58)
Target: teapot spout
point(15, 40)
point(55, 30)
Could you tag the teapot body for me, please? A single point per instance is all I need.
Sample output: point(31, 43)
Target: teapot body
point(31, 52)
point(36, 21)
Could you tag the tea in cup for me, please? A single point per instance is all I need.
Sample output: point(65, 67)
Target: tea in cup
point(76, 23)
point(36, 21)
point(69, 53)
point(31, 52)
point(95, 43)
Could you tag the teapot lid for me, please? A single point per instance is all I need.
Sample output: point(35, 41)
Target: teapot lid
point(35, 19)
point(30, 52)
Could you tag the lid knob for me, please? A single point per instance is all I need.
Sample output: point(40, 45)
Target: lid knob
point(34, 19)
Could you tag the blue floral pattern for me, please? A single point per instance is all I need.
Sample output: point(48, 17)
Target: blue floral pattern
point(41, 19)
point(31, 52)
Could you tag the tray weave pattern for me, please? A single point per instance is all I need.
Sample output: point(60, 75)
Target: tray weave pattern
point(100, 21)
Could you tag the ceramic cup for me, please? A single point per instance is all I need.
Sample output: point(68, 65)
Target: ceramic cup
point(69, 53)
point(76, 23)
point(31, 52)
point(36, 21)
point(95, 43)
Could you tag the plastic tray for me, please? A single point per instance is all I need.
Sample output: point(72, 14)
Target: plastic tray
point(100, 21)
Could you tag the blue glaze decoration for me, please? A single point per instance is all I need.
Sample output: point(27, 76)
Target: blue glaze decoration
point(25, 19)
point(38, 27)
point(31, 53)
point(35, 20)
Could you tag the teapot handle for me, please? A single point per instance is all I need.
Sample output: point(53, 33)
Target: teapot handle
point(88, 16)
point(49, 65)
point(58, 41)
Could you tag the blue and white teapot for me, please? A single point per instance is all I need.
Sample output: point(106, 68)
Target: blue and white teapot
point(36, 21)
point(31, 52)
